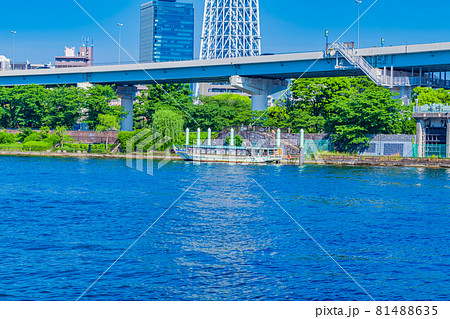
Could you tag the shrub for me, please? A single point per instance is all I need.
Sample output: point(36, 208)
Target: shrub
point(72, 145)
point(36, 146)
point(44, 131)
point(6, 138)
point(123, 137)
point(52, 139)
point(33, 137)
point(238, 140)
point(12, 146)
point(24, 132)
point(69, 139)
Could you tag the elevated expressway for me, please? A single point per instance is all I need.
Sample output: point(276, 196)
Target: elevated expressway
point(399, 68)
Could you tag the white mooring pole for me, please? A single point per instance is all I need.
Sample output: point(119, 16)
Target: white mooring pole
point(302, 147)
point(278, 138)
point(232, 137)
point(187, 136)
point(209, 137)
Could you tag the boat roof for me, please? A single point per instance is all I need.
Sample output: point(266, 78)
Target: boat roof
point(230, 147)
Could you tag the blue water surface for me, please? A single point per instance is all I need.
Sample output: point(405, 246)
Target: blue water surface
point(65, 221)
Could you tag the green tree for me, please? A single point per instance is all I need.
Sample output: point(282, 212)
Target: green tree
point(35, 106)
point(169, 123)
point(6, 138)
point(431, 96)
point(277, 117)
point(300, 118)
point(238, 140)
point(374, 111)
point(22, 106)
point(98, 102)
point(60, 130)
point(107, 122)
point(177, 97)
point(239, 106)
point(220, 111)
point(209, 115)
point(312, 98)
point(64, 106)
point(44, 131)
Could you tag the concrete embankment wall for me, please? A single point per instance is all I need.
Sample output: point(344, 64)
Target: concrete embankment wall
point(342, 160)
point(386, 145)
point(380, 145)
point(346, 160)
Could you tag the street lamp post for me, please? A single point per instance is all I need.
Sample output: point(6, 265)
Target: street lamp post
point(120, 36)
point(13, 40)
point(358, 3)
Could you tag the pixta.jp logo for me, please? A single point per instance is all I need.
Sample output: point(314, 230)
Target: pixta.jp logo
point(142, 148)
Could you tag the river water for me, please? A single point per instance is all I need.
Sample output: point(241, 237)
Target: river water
point(65, 221)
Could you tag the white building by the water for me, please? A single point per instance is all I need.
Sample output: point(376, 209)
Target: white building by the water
point(5, 63)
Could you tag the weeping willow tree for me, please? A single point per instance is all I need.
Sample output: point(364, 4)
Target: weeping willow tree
point(169, 124)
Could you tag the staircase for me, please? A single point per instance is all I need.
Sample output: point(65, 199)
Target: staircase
point(259, 138)
point(358, 61)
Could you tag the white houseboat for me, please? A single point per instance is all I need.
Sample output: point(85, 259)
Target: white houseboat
point(228, 153)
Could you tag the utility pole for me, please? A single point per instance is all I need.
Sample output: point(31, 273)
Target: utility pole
point(120, 25)
point(358, 3)
point(14, 49)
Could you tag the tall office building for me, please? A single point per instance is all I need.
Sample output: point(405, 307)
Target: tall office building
point(230, 29)
point(167, 31)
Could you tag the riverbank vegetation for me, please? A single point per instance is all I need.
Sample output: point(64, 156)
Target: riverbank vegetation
point(34, 106)
point(347, 108)
point(28, 140)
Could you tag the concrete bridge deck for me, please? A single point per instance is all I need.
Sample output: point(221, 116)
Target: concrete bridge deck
point(424, 58)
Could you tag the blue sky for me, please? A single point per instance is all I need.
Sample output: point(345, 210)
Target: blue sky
point(45, 27)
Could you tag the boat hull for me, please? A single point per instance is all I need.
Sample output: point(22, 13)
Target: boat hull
point(217, 158)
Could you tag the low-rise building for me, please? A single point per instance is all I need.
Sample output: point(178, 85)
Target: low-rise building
point(5, 63)
point(71, 59)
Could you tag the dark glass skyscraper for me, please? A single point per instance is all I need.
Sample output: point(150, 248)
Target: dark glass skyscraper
point(167, 31)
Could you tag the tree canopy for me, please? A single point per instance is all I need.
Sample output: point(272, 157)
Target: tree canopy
point(34, 106)
point(431, 96)
point(347, 108)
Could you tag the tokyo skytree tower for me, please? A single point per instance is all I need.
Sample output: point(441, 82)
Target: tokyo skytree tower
point(230, 29)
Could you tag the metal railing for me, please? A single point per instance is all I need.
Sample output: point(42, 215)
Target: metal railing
point(436, 82)
point(360, 62)
point(74, 66)
point(436, 150)
point(433, 108)
point(386, 80)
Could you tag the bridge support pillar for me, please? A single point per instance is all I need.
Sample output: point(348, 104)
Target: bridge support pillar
point(84, 85)
point(127, 95)
point(419, 138)
point(259, 89)
point(406, 95)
